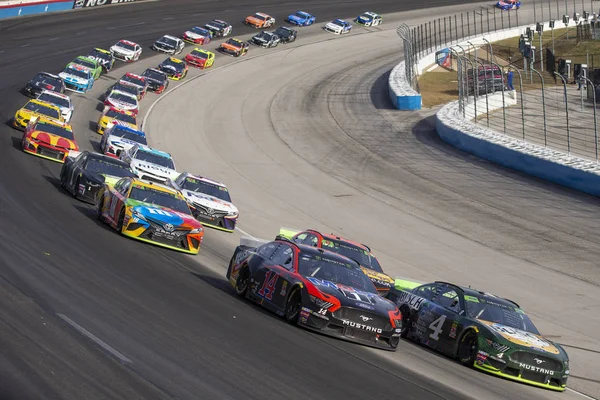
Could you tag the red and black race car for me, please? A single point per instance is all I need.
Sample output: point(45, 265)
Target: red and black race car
point(315, 288)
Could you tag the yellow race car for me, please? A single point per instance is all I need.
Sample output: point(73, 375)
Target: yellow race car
point(36, 108)
point(49, 139)
point(200, 58)
point(116, 116)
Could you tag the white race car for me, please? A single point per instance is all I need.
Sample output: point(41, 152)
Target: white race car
point(369, 18)
point(150, 164)
point(338, 26)
point(123, 101)
point(209, 201)
point(126, 50)
point(169, 45)
point(118, 137)
point(62, 101)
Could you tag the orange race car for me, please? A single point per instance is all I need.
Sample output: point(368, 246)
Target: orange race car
point(48, 139)
point(260, 20)
point(234, 47)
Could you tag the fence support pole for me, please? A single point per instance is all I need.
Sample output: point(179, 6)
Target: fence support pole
point(595, 120)
point(566, 111)
point(543, 105)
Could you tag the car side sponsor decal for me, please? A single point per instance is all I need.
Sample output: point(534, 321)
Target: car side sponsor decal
point(97, 3)
point(412, 300)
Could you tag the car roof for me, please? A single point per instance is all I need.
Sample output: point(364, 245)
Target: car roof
point(171, 37)
point(205, 179)
point(127, 128)
point(132, 75)
point(154, 185)
point(262, 14)
point(331, 236)
point(304, 248)
point(119, 111)
point(477, 293)
point(370, 13)
point(56, 94)
point(42, 103)
point(127, 42)
point(123, 93)
point(201, 50)
point(78, 67)
point(303, 13)
point(155, 151)
point(102, 51)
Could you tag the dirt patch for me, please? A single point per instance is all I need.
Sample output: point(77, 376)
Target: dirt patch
point(438, 87)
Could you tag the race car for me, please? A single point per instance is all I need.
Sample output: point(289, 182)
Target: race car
point(209, 201)
point(286, 35)
point(123, 101)
point(152, 213)
point(90, 63)
point(157, 80)
point(84, 174)
point(316, 289)
point(150, 164)
point(338, 26)
point(77, 78)
point(36, 108)
point(62, 101)
point(126, 50)
point(301, 18)
point(135, 80)
point(103, 57)
point(118, 138)
point(200, 58)
point(175, 68)
point(260, 20)
point(168, 44)
point(218, 28)
point(234, 47)
point(358, 252)
point(48, 139)
point(369, 18)
point(265, 39)
point(481, 330)
point(44, 81)
point(122, 87)
point(115, 116)
point(507, 5)
point(197, 35)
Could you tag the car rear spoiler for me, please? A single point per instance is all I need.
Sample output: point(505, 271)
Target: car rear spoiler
point(250, 241)
point(405, 284)
point(288, 233)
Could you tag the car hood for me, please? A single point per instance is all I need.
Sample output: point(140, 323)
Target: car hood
point(163, 216)
point(164, 45)
point(43, 85)
point(385, 279)
point(209, 201)
point(194, 35)
point(54, 140)
point(153, 168)
point(520, 338)
point(352, 297)
point(364, 19)
point(296, 18)
point(72, 78)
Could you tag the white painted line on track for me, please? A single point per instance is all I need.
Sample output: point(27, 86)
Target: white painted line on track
point(94, 338)
point(168, 18)
point(110, 28)
point(25, 45)
point(243, 232)
point(139, 23)
point(53, 39)
point(582, 394)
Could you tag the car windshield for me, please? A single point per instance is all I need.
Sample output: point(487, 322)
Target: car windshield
point(100, 54)
point(57, 100)
point(498, 311)
point(216, 24)
point(197, 185)
point(234, 42)
point(105, 166)
point(338, 22)
point(133, 80)
point(127, 134)
point(54, 130)
point(365, 16)
point(159, 198)
point(44, 79)
point(85, 63)
point(200, 31)
point(168, 41)
point(300, 15)
point(159, 76)
point(199, 54)
point(42, 109)
point(170, 63)
point(361, 256)
point(261, 17)
point(320, 266)
point(154, 158)
point(126, 46)
point(78, 72)
point(123, 98)
point(282, 31)
point(130, 119)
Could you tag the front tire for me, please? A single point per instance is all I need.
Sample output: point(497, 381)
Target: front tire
point(468, 348)
point(120, 222)
point(242, 282)
point(99, 208)
point(292, 306)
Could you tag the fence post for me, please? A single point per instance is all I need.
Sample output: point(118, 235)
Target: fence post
point(543, 105)
point(595, 120)
point(503, 101)
point(440, 30)
point(446, 32)
point(567, 111)
point(468, 26)
point(474, 22)
point(456, 27)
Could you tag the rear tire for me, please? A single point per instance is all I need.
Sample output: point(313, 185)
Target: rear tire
point(75, 190)
point(405, 322)
point(468, 348)
point(120, 223)
point(99, 208)
point(242, 282)
point(292, 306)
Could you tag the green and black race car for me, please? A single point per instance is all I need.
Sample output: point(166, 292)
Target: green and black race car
point(480, 330)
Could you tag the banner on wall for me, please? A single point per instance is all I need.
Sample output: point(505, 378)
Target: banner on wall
point(98, 3)
point(443, 58)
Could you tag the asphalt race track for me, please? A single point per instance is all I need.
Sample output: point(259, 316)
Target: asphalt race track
point(304, 137)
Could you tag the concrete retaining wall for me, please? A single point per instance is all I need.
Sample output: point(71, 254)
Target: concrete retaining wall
point(21, 8)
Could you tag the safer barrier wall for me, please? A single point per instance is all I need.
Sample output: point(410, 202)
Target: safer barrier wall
point(18, 9)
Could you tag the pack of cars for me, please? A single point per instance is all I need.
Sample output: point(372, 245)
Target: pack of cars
point(320, 281)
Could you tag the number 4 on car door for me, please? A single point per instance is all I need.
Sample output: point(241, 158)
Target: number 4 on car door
point(437, 326)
